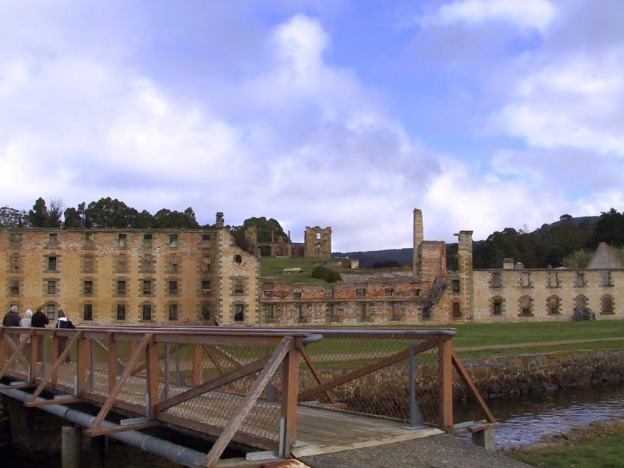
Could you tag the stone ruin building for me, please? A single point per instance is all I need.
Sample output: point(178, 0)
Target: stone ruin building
point(200, 277)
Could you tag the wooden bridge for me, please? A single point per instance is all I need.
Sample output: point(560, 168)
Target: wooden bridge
point(288, 392)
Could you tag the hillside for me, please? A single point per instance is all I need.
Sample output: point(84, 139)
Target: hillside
point(548, 245)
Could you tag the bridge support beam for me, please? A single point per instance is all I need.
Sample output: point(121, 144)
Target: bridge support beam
point(71, 447)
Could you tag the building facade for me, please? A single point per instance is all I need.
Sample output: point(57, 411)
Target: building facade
point(130, 277)
point(200, 277)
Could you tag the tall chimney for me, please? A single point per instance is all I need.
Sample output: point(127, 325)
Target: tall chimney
point(418, 240)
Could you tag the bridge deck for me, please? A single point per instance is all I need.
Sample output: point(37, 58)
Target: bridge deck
point(321, 431)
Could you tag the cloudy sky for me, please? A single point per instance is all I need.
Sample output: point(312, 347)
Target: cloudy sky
point(485, 114)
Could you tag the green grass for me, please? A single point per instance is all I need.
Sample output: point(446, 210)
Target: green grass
point(487, 334)
point(270, 266)
point(592, 448)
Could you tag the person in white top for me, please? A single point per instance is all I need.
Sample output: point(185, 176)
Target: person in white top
point(26, 322)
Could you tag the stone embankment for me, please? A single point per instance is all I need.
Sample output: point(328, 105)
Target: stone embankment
point(510, 376)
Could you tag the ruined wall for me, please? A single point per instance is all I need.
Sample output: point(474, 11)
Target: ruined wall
point(380, 301)
point(238, 279)
point(317, 242)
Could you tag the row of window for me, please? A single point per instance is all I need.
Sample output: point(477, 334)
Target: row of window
point(553, 305)
point(51, 287)
point(147, 264)
point(122, 239)
point(335, 312)
point(147, 312)
point(553, 279)
point(359, 292)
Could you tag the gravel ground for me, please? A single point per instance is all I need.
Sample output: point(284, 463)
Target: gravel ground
point(443, 451)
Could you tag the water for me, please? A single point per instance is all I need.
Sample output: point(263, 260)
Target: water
point(521, 421)
point(525, 421)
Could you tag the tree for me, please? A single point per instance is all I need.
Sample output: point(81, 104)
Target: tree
point(108, 213)
point(610, 229)
point(174, 219)
point(38, 216)
point(54, 213)
point(10, 217)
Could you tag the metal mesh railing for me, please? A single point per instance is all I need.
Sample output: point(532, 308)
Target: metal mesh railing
point(389, 374)
point(206, 379)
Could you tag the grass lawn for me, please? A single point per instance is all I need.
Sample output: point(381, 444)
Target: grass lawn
point(599, 444)
point(274, 267)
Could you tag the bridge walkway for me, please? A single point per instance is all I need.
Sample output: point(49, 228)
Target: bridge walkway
point(291, 392)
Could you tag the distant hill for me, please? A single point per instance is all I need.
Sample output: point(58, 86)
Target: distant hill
point(380, 257)
point(547, 245)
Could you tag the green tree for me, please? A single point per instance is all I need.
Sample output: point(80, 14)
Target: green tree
point(38, 216)
point(174, 219)
point(610, 229)
point(109, 213)
point(73, 219)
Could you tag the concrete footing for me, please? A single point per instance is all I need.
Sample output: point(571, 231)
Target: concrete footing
point(485, 438)
point(71, 447)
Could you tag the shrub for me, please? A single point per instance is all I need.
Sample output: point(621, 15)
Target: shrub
point(326, 274)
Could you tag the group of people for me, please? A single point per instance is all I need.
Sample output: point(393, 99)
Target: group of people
point(37, 320)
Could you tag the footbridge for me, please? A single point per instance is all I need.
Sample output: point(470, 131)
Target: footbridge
point(270, 392)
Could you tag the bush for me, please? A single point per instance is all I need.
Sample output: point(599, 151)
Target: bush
point(326, 274)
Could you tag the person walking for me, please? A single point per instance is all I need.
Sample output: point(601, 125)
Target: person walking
point(11, 318)
point(26, 322)
point(63, 322)
point(39, 320)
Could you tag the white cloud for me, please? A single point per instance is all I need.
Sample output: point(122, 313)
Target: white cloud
point(570, 103)
point(525, 14)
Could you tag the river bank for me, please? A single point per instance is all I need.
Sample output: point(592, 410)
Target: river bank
point(597, 444)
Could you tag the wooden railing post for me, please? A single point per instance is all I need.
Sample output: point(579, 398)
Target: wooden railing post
point(197, 367)
point(3, 346)
point(290, 390)
point(83, 351)
point(445, 353)
point(152, 377)
point(112, 362)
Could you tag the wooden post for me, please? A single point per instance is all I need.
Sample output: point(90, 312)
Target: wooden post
point(290, 390)
point(197, 367)
point(83, 363)
point(112, 362)
point(445, 352)
point(152, 377)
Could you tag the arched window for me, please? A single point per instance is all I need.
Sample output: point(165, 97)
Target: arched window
point(553, 305)
point(607, 305)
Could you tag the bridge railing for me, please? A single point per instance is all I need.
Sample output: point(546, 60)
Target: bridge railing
point(406, 375)
point(233, 385)
point(239, 384)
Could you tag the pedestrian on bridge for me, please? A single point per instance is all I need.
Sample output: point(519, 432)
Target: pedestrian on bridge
point(39, 320)
point(11, 318)
point(63, 322)
point(26, 322)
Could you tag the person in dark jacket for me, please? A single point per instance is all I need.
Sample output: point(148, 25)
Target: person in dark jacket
point(11, 318)
point(39, 320)
point(63, 322)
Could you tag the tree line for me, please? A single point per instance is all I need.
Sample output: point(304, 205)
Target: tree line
point(568, 242)
point(104, 213)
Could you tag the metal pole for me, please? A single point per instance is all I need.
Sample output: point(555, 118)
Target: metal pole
point(416, 419)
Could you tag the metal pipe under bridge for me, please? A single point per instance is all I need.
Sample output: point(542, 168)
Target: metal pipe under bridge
point(283, 392)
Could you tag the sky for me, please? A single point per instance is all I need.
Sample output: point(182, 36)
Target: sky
point(349, 114)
